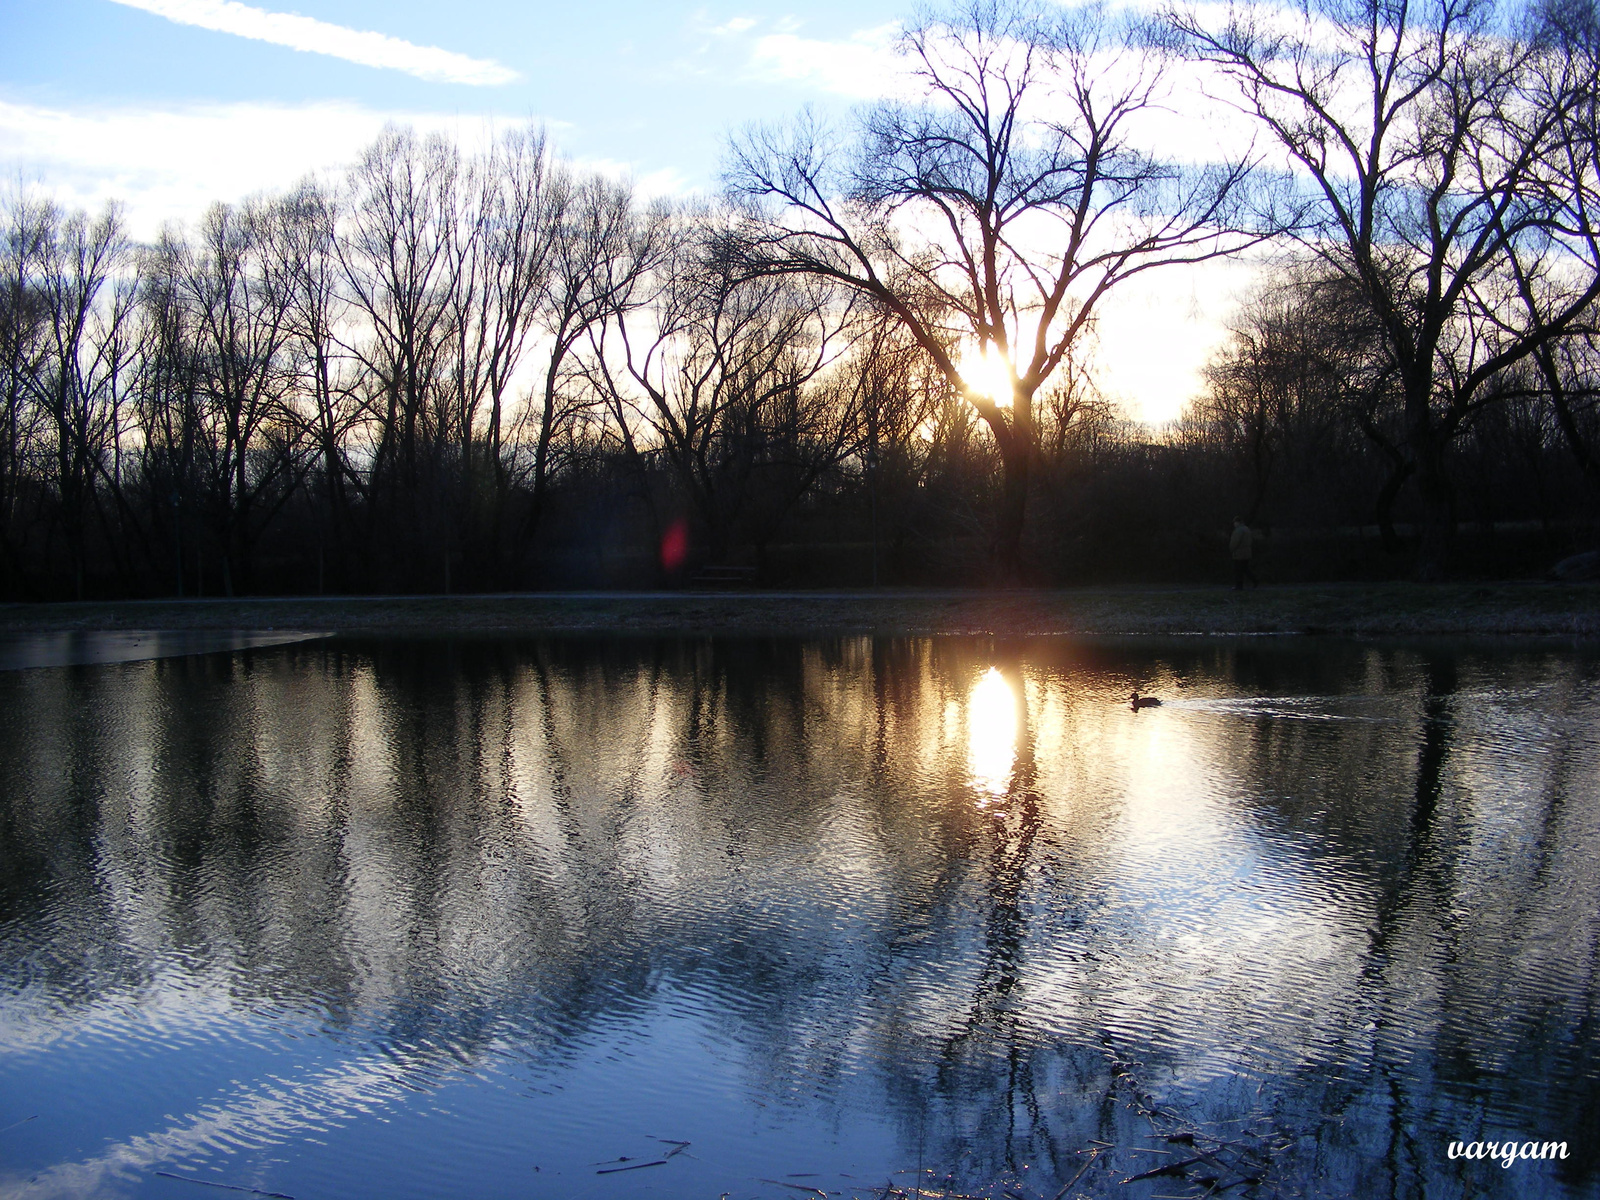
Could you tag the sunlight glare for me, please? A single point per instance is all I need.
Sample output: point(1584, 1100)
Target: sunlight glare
point(992, 733)
point(988, 374)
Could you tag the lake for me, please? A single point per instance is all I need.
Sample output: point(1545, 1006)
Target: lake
point(773, 918)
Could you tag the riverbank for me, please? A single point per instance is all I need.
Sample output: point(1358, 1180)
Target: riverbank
point(1373, 610)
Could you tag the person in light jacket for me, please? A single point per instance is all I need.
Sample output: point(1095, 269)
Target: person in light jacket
point(1241, 547)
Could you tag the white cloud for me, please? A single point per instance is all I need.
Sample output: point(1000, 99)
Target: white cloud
point(863, 66)
point(668, 183)
point(171, 163)
point(168, 164)
point(319, 37)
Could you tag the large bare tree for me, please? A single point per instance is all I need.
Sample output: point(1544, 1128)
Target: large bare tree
point(1423, 136)
point(1566, 37)
point(993, 216)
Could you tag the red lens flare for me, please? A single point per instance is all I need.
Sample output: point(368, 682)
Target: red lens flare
point(675, 545)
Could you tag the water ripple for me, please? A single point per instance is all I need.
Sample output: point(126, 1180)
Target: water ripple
point(421, 918)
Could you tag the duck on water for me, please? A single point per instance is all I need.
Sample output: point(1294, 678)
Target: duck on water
point(1136, 701)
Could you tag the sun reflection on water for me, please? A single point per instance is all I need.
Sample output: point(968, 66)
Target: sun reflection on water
point(453, 886)
point(991, 734)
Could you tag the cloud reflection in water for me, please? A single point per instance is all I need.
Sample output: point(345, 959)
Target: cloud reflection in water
point(515, 898)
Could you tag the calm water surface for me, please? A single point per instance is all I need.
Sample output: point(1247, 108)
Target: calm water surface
point(412, 919)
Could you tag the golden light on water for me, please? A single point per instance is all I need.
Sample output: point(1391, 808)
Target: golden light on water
point(991, 733)
point(987, 373)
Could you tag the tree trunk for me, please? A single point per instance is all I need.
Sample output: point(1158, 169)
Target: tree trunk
point(1383, 508)
point(1426, 441)
point(541, 451)
point(1438, 511)
point(1556, 387)
point(1015, 460)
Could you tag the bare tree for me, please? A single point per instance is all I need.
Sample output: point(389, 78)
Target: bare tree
point(1290, 388)
point(502, 242)
point(1566, 39)
point(993, 217)
point(399, 272)
point(28, 224)
point(725, 379)
point(1421, 133)
point(87, 290)
point(324, 405)
point(1570, 372)
point(600, 265)
point(167, 402)
point(234, 291)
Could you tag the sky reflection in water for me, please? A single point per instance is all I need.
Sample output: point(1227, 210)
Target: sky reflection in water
point(347, 919)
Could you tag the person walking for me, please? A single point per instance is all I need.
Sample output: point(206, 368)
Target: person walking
point(1241, 547)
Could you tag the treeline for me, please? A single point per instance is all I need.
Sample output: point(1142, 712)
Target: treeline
point(458, 371)
point(447, 371)
point(484, 371)
point(1303, 422)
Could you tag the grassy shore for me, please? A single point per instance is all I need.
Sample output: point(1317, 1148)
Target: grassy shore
point(1388, 609)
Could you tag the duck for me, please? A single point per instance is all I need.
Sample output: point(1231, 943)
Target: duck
point(1136, 701)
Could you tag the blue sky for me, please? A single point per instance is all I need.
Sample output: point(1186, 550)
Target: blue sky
point(654, 87)
point(168, 105)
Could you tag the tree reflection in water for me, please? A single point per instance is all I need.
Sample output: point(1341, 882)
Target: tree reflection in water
point(843, 906)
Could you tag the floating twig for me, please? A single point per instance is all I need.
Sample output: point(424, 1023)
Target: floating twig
point(1173, 1168)
point(660, 1162)
point(232, 1187)
point(799, 1187)
point(1093, 1154)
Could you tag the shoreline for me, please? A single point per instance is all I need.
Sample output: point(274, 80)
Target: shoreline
point(1522, 609)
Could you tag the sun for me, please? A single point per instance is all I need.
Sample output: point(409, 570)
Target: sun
point(986, 372)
